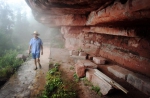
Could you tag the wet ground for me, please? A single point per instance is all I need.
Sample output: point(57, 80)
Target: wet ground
point(27, 83)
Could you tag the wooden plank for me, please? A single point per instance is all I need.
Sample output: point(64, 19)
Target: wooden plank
point(109, 80)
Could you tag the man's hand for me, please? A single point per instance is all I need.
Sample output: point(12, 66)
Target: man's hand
point(41, 52)
point(29, 52)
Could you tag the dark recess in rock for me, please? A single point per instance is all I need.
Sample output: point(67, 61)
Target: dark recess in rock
point(123, 1)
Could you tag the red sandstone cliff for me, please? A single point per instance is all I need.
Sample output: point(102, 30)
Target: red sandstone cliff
point(115, 29)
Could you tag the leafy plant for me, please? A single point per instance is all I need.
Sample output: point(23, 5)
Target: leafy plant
point(55, 87)
point(76, 77)
point(71, 68)
point(96, 89)
point(9, 64)
point(80, 49)
point(86, 82)
point(51, 63)
point(53, 70)
point(56, 65)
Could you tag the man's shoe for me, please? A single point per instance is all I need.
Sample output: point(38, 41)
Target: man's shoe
point(35, 68)
point(40, 66)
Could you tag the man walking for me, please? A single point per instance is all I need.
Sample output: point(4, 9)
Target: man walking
point(35, 47)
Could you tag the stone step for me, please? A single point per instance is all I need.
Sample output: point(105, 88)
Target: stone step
point(82, 65)
point(140, 82)
point(119, 71)
point(78, 57)
point(99, 60)
point(104, 86)
point(87, 64)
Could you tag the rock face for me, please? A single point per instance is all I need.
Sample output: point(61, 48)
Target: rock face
point(123, 10)
point(61, 7)
point(130, 52)
point(114, 29)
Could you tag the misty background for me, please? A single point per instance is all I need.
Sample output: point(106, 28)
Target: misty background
point(17, 25)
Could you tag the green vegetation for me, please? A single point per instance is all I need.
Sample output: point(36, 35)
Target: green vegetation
point(16, 27)
point(96, 89)
point(77, 79)
point(71, 68)
point(55, 86)
point(86, 82)
point(5, 43)
point(55, 69)
point(9, 64)
point(80, 49)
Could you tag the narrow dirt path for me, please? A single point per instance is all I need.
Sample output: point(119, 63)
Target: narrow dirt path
point(67, 68)
point(27, 83)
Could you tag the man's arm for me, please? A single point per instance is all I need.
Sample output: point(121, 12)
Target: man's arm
point(41, 49)
point(29, 49)
point(41, 46)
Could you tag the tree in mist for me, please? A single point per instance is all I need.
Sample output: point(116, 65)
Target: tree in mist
point(22, 26)
point(6, 25)
point(6, 17)
point(17, 25)
point(8, 49)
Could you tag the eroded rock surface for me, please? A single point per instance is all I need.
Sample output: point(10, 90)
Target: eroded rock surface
point(114, 29)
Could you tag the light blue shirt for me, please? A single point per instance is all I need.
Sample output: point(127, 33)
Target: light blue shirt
point(35, 45)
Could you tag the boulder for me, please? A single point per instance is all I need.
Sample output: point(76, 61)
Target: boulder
point(21, 57)
point(82, 65)
point(80, 70)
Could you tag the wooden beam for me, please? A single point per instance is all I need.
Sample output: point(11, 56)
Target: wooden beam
point(109, 80)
